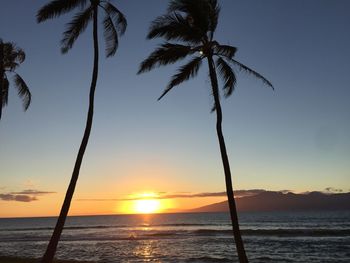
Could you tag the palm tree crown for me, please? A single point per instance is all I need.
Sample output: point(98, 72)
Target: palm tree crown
point(114, 22)
point(192, 25)
point(11, 57)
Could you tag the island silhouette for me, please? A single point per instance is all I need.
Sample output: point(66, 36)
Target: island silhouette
point(284, 201)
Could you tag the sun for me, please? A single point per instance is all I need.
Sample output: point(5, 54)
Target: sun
point(146, 203)
point(147, 206)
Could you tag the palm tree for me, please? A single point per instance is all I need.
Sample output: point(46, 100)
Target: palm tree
point(10, 58)
point(190, 25)
point(114, 24)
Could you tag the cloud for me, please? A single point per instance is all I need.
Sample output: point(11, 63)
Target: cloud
point(333, 190)
point(18, 198)
point(32, 192)
point(164, 195)
point(160, 196)
point(28, 195)
point(189, 195)
point(29, 184)
point(238, 193)
point(250, 192)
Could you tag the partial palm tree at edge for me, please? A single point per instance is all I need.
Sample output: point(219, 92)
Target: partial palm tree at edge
point(191, 25)
point(10, 58)
point(114, 23)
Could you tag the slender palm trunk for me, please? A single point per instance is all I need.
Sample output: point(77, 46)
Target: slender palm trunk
point(229, 190)
point(1, 75)
point(52, 246)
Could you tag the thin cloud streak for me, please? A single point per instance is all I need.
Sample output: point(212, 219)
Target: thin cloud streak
point(238, 193)
point(32, 192)
point(18, 198)
point(173, 196)
point(333, 190)
point(27, 195)
point(164, 196)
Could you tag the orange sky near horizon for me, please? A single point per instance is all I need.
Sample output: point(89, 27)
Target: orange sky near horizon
point(116, 194)
point(51, 204)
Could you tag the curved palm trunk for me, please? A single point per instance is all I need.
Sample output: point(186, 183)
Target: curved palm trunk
point(1, 74)
point(51, 248)
point(229, 190)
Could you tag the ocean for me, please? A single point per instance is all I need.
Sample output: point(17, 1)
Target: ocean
point(190, 237)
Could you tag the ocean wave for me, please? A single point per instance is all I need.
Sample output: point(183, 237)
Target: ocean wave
point(180, 233)
point(208, 259)
point(67, 227)
point(162, 234)
point(279, 232)
point(107, 227)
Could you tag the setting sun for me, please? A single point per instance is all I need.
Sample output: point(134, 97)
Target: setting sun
point(147, 206)
point(145, 203)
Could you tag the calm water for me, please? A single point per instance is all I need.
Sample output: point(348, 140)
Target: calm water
point(205, 237)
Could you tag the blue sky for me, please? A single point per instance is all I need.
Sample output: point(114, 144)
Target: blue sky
point(297, 137)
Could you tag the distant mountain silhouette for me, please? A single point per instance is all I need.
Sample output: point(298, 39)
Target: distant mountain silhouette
point(278, 201)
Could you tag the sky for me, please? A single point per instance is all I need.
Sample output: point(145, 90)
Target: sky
point(294, 138)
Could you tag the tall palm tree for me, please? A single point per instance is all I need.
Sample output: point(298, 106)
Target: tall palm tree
point(114, 24)
point(190, 25)
point(10, 59)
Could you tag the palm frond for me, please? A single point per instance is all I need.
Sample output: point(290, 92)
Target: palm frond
point(117, 17)
point(20, 55)
point(203, 13)
point(13, 56)
point(248, 70)
point(214, 16)
point(5, 92)
point(10, 65)
point(228, 76)
point(14, 53)
point(225, 50)
point(167, 53)
point(111, 36)
point(58, 7)
point(23, 91)
point(184, 73)
point(75, 28)
point(174, 27)
point(178, 5)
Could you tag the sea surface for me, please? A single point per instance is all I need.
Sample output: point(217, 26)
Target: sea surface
point(196, 237)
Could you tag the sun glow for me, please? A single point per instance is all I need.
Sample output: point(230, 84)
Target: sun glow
point(146, 203)
point(147, 206)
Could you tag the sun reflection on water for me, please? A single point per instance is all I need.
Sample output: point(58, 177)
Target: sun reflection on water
point(144, 250)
